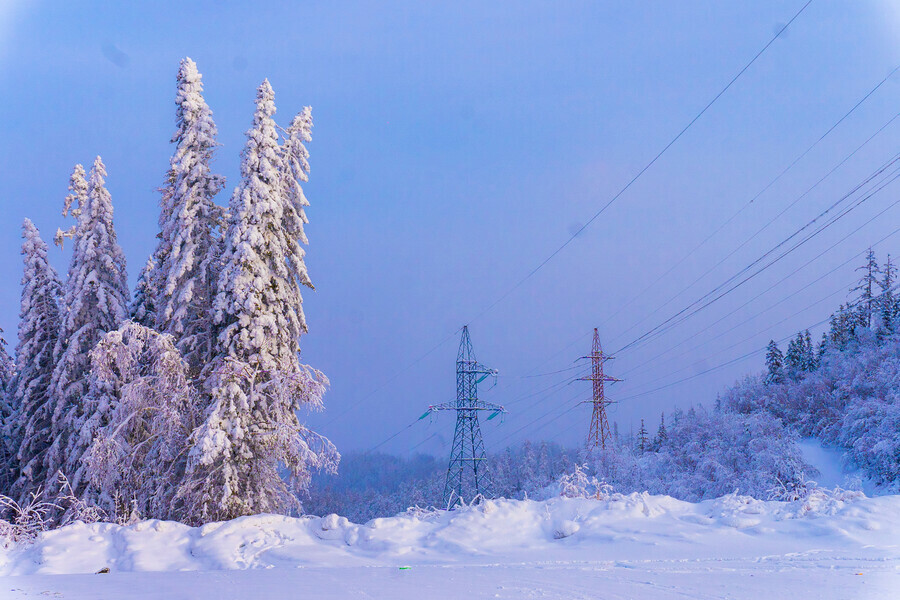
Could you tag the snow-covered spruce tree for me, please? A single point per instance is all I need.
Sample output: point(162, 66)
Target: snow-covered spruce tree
point(139, 454)
point(887, 303)
point(188, 252)
point(295, 169)
point(252, 454)
point(8, 410)
point(662, 436)
point(95, 302)
point(7, 364)
point(642, 444)
point(39, 318)
point(822, 347)
point(143, 306)
point(774, 364)
point(865, 290)
point(793, 358)
point(810, 361)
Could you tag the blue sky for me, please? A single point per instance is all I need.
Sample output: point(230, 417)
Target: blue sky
point(457, 145)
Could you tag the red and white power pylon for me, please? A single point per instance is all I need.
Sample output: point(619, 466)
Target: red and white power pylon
point(599, 433)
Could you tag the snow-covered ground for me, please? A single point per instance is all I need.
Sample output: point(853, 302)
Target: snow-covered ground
point(828, 546)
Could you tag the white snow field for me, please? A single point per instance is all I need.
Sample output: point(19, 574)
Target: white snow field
point(830, 545)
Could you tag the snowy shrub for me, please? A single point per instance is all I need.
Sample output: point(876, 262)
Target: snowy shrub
point(579, 484)
point(23, 523)
point(75, 508)
point(820, 501)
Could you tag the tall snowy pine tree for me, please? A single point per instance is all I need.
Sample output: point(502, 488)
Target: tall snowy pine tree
point(8, 410)
point(95, 301)
point(865, 299)
point(800, 356)
point(774, 364)
point(186, 259)
point(143, 304)
point(887, 302)
point(39, 319)
point(252, 454)
point(810, 358)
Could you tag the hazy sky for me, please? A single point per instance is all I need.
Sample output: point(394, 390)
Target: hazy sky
point(456, 146)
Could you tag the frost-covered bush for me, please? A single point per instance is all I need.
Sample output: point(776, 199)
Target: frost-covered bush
point(23, 523)
point(579, 484)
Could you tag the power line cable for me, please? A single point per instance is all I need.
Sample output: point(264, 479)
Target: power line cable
point(647, 166)
point(774, 286)
point(422, 357)
point(765, 189)
point(540, 418)
point(758, 351)
point(768, 224)
point(843, 289)
point(705, 301)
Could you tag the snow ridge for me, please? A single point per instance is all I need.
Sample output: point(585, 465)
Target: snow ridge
point(634, 527)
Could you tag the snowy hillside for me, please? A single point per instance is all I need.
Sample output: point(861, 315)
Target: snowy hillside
point(842, 545)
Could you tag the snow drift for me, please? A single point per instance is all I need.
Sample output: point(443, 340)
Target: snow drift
point(634, 527)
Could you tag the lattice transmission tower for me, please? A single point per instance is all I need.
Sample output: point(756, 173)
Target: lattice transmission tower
point(599, 433)
point(467, 474)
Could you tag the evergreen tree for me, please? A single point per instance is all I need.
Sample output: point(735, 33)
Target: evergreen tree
point(39, 318)
point(252, 454)
point(887, 303)
point(143, 306)
point(865, 290)
point(188, 250)
point(95, 301)
point(842, 328)
point(794, 360)
point(8, 409)
point(662, 436)
point(822, 348)
point(809, 355)
point(7, 364)
point(643, 446)
point(774, 364)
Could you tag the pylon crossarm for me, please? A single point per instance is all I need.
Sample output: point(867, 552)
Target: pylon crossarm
point(606, 378)
point(475, 368)
point(455, 406)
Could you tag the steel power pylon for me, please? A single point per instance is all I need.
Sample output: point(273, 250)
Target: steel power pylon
point(467, 475)
point(599, 432)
